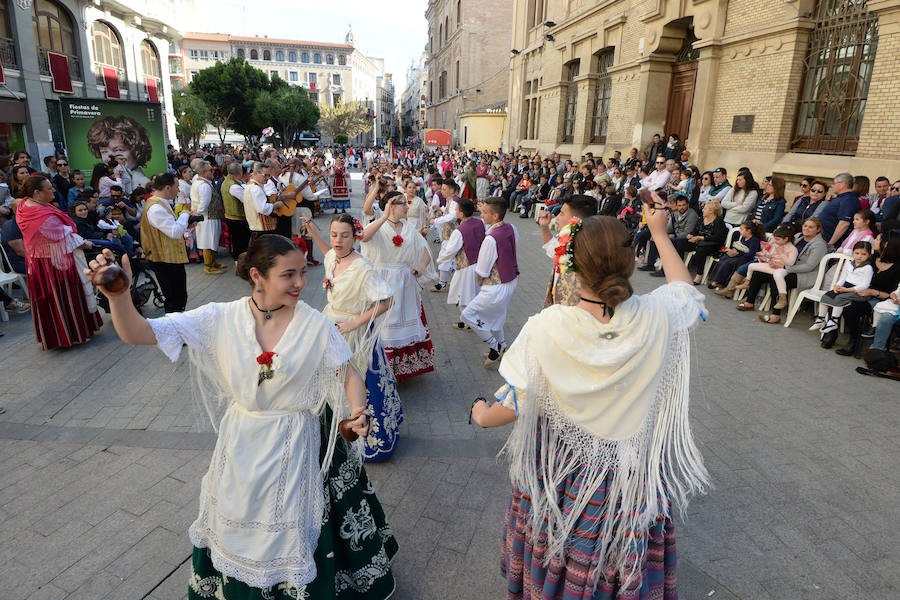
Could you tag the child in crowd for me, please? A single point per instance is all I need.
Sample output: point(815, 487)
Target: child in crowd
point(498, 271)
point(463, 247)
point(631, 214)
point(743, 251)
point(783, 249)
point(444, 224)
point(111, 220)
point(855, 275)
point(863, 226)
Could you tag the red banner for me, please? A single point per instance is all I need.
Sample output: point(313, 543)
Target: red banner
point(59, 73)
point(312, 86)
point(437, 137)
point(111, 79)
point(152, 91)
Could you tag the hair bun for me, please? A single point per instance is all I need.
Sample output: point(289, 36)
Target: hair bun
point(242, 269)
point(613, 289)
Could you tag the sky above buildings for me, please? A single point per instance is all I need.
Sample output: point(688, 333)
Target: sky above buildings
point(395, 30)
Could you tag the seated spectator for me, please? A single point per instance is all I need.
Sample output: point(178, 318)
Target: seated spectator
point(618, 180)
point(522, 189)
point(855, 276)
point(861, 185)
point(538, 193)
point(682, 223)
point(633, 160)
point(78, 186)
point(742, 252)
point(611, 201)
point(105, 239)
point(18, 175)
point(770, 208)
point(740, 200)
point(885, 280)
point(807, 206)
point(631, 214)
point(111, 221)
point(721, 185)
point(887, 316)
point(876, 199)
point(782, 251)
point(13, 245)
point(864, 227)
point(837, 216)
point(677, 185)
point(707, 238)
point(811, 249)
point(706, 184)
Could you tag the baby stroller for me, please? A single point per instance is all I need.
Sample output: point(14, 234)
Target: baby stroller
point(144, 285)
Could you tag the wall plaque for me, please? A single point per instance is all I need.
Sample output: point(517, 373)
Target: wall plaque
point(742, 123)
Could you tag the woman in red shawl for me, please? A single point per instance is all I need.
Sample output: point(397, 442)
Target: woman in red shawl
point(63, 313)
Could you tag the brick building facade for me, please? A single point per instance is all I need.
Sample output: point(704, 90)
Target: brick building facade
point(467, 59)
point(795, 88)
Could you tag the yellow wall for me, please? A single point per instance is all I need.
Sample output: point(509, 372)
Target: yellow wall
point(482, 131)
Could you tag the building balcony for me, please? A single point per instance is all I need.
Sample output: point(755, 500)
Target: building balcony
point(8, 53)
point(74, 64)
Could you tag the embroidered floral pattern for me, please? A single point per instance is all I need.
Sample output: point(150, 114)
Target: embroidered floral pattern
point(358, 526)
point(205, 587)
point(361, 580)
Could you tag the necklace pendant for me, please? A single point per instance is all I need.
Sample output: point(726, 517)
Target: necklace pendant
point(268, 316)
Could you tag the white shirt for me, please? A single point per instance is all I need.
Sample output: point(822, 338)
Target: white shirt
point(658, 180)
point(451, 247)
point(448, 216)
point(858, 278)
point(201, 195)
point(237, 191)
point(163, 220)
point(260, 200)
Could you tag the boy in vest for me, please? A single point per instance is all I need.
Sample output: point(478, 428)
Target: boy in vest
point(162, 239)
point(444, 226)
point(498, 271)
point(462, 248)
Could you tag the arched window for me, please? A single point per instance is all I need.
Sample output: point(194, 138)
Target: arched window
point(317, 58)
point(836, 78)
point(241, 52)
point(151, 67)
point(342, 59)
point(267, 55)
point(279, 56)
point(446, 28)
point(602, 96)
point(440, 35)
point(254, 55)
point(108, 52)
point(571, 100)
point(459, 12)
point(329, 59)
point(54, 30)
point(304, 57)
point(292, 56)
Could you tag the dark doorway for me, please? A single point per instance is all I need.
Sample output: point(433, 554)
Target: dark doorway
point(681, 92)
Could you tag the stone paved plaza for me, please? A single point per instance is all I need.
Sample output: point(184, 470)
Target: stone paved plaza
point(100, 464)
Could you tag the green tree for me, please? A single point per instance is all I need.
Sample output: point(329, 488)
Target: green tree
point(288, 110)
point(229, 90)
point(192, 115)
point(350, 119)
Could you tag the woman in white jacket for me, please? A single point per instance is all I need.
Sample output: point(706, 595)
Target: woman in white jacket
point(741, 199)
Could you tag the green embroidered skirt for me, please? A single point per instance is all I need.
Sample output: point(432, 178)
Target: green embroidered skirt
point(353, 557)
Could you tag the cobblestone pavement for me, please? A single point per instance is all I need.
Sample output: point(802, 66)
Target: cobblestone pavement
point(100, 468)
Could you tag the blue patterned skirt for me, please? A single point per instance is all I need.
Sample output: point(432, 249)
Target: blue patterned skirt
point(383, 402)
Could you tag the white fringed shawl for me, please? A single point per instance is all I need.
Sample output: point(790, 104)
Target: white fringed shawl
point(608, 397)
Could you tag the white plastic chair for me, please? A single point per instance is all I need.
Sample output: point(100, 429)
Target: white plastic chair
point(734, 234)
point(538, 207)
point(816, 292)
point(7, 278)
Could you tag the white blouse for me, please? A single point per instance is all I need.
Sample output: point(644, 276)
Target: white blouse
point(262, 499)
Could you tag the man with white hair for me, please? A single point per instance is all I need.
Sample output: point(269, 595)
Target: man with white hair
point(837, 216)
point(206, 201)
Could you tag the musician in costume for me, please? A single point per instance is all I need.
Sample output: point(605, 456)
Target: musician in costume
point(162, 240)
point(233, 199)
point(258, 208)
point(206, 201)
point(274, 189)
point(340, 187)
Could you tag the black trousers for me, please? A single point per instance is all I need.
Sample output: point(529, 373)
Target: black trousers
point(758, 279)
point(240, 236)
point(173, 282)
point(283, 226)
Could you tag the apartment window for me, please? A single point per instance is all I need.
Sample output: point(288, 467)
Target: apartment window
point(241, 52)
point(195, 54)
point(317, 58)
point(837, 73)
point(571, 101)
point(150, 60)
point(458, 13)
point(440, 35)
point(335, 99)
point(442, 85)
point(292, 57)
point(312, 78)
point(215, 55)
point(53, 30)
point(458, 84)
point(314, 96)
point(107, 47)
point(254, 55)
point(194, 74)
point(273, 74)
point(535, 12)
point(446, 28)
point(304, 57)
point(336, 78)
point(329, 59)
point(204, 55)
point(293, 76)
point(342, 59)
point(602, 96)
point(279, 56)
point(430, 91)
point(267, 55)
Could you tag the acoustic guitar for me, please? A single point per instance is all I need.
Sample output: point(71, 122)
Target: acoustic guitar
point(290, 204)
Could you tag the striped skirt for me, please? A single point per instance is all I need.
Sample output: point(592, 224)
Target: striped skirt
point(528, 578)
point(59, 306)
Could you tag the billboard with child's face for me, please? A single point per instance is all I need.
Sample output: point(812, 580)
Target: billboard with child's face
point(129, 132)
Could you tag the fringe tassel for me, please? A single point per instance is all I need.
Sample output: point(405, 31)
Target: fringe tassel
point(643, 486)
